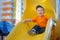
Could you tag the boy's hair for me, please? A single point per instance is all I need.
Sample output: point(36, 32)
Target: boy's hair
point(39, 6)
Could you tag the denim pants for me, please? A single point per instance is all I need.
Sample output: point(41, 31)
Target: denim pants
point(38, 29)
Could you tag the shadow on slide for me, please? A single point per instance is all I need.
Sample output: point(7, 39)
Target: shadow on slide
point(20, 32)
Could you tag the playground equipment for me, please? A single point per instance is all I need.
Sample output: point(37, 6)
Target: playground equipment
point(5, 28)
point(20, 30)
point(6, 18)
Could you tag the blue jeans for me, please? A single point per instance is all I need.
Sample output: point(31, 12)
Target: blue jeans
point(38, 29)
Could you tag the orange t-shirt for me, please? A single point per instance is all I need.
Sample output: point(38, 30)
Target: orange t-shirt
point(41, 21)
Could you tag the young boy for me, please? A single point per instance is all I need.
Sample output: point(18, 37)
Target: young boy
point(41, 21)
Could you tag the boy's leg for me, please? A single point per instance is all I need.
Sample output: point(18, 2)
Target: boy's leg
point(40, 30)
point(33, 31)
point(36, 30)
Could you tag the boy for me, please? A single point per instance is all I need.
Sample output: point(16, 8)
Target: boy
point(41, 21)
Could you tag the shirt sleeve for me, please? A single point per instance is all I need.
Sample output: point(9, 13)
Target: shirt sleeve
point(47, 17)
point(34, 19)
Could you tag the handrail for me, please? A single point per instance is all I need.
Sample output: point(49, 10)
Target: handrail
point(50, 24)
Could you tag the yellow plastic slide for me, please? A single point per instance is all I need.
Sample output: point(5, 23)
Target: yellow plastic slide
point(20, 31)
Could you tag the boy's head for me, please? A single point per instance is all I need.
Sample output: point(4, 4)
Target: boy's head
point(40, 10)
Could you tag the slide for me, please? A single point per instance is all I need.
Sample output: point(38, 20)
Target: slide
point(20, 31)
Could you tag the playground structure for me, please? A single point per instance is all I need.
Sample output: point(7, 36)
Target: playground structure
point(20, 30)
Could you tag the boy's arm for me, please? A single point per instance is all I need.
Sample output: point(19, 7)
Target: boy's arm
point(27, 20)
point(30, 20)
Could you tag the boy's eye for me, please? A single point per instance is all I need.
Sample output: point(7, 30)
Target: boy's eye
point(40, 10)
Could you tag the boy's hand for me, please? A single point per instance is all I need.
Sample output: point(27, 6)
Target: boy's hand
point(23, 21)
point(27, 20)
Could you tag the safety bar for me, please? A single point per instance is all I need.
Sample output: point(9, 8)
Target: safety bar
point(50, 24)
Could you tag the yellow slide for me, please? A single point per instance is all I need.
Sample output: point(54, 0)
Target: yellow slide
point(20, 31)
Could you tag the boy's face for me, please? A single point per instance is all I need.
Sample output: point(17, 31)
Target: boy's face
point(40, 11)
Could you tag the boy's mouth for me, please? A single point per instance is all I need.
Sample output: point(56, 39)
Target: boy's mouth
point(40, 13)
